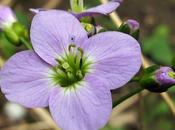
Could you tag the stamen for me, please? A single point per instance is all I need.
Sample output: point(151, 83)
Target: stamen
point(65, 65)
point(79, 74)
point(61, 73)
point(81, 51)
point(71, 46)
point(71, 68)
point(71, 76)
point(171, 74)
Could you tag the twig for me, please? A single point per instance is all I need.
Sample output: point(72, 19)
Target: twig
point(5, 2)
point(45, 116)
point(169, 101)
point(145, 63)
point(51, 4)
point(114, 16)
point(33, 126)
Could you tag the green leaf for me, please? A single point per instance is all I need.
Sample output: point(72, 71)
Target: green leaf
point(158, 46)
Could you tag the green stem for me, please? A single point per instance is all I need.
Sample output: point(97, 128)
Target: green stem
point(132, 93)
point(26, 43)
point(135, 79)
point(76, 5)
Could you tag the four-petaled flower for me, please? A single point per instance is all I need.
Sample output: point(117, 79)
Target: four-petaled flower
point(69, 72)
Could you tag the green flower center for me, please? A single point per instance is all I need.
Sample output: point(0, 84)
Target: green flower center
point(71, 68)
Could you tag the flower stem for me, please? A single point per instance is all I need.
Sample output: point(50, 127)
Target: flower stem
point(76, 6)
point(125, 97)
point(26, 43)
point(135, 79)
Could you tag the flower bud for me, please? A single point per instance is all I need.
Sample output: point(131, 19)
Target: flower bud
point(15, 32)
point(158, 79)
point(130, 27)
point(7, 17)
point(11, 36)
point(133, 24)
point(90, 29)
point(11, 28)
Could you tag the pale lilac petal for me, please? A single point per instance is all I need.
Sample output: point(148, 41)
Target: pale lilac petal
point(23, 79)
point(52, 31)
point(7, 17)
point(103, 9)
point(117, 57)
point(37, 10)
point(86, 107)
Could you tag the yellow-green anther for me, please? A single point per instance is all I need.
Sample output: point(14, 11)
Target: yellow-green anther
point(79, 74)
point(171, 74)
point(71, 46)
point(81, 51)
point(70, 69)
point(77, 60)
point(61, 73)
point(88, 27)
point(65, 65)
point(70, 76)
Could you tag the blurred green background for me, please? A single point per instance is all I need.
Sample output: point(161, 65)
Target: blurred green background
point(157, 21)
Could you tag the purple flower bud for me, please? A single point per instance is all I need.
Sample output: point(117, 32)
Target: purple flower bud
point(165, 76)
point(133, 24)
point(130, 27)
point(7, 17)
point(158, 79)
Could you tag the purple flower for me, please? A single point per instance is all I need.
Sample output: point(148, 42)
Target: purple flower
point(69, 72)
point(165, 76)
point(7, 17)
point(103, 9)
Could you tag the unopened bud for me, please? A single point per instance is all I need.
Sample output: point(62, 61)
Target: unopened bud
point(7, 17)
point(133, 24)
point(14, 33)
point(158, 79)
point(90, 29)
point(130, 27)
